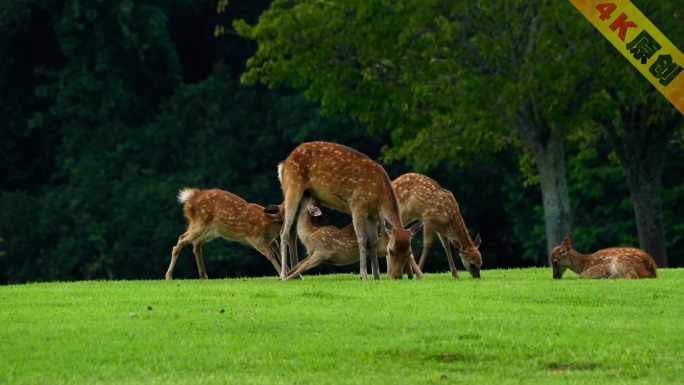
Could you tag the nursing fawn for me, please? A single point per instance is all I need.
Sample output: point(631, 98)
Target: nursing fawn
point(329, 244)
point(217, 213)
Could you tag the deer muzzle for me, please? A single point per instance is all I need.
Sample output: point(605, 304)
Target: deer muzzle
point(557, 271)
point(395, 269)
point(474, 270)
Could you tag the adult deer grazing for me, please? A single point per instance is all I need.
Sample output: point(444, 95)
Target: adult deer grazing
point(346, 180)
point(613, 262)
point(422, 198)
point(329, 244)
point(213, 213)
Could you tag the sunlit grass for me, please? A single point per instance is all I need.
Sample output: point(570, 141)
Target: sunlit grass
point(511, 326)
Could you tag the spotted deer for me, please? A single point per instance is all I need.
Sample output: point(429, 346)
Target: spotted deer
point(329, 244)
point(213, 213)
point(613, 262)
point(346, 180)
point(420, 197)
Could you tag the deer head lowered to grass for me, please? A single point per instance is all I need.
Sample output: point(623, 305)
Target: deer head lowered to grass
point(613, 262)
point(421, 198)
point(349, 181)
point(213, 213)
point(326, 243)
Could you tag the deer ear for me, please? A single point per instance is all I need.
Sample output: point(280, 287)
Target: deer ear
point(477, 241)
point(272, 209)
point(568, 241)
point(388, 226)
point(314, 211)
point(415, 228)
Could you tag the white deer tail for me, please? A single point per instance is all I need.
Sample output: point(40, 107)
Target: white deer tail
point(185, 194)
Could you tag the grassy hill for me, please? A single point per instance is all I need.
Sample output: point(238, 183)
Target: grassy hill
point(510, 327)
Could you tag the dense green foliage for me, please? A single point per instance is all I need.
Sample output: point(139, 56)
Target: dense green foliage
point(459, 80)
point(510, 326)
point(108, 108)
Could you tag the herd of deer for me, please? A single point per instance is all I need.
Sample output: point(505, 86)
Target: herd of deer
point(319, 174)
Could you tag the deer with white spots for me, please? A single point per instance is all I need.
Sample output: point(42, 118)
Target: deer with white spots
point(329, 244)
point(218, 213)
point(420, 197)
point(346, 180)
point(613, 262)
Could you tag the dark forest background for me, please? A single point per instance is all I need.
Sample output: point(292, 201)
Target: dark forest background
point(108, 108)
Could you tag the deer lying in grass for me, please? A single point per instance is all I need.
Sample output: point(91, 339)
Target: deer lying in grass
point(422, 198)
point(613, 262)
point(213, 213)
point(330, 244)
point(346, 180)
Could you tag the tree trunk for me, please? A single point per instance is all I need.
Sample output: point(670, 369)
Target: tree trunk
point(547, 145)
point(645, 190)
point(550, 159)
point(642, 157)
point(640, 146)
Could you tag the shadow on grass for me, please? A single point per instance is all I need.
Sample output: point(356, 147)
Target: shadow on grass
point(573, 366)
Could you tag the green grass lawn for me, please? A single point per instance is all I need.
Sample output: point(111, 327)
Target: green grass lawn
point(510, 327)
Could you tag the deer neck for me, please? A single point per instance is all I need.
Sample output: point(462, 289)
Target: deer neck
point(577, 260)
point(305, 228)
point(389, 208)
point(459, 229)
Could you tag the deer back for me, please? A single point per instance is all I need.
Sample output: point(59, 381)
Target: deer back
point(621, 262)
point(231, 216)
point(206, 206)
point(422, 198)
point(338, 176)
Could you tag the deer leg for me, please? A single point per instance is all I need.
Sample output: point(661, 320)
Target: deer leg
point(597, 271)
point(447, 250)
point(193, 235)
point(372, 233)
point(306, 263)
point(292, 246)
point(359, 221)
point(182, 241)
point(275, 248)
point(414, 268)
point(630, 274)
point(624, 270)
point(408, 269)
point(197, 249)
point(267, 252)
point(290, 205)
point(427, 243)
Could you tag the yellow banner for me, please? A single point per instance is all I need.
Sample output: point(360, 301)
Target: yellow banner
point(641, 43)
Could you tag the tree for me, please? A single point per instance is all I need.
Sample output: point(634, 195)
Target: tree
point(117, 125)
point(640, 124)
point(450, 80)
point(119, 104)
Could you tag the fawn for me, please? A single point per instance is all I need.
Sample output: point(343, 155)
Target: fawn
point(213, 213)
point(349, 181)
point(422, 198)
point(330, 244)
point(613, 262)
